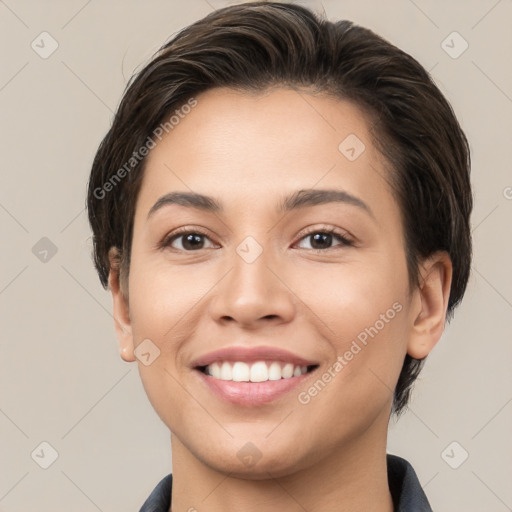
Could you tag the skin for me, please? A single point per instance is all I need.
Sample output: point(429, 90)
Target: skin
point(249, 151)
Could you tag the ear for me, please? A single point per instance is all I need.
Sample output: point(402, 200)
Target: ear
point(431, 304)
point(122, 322)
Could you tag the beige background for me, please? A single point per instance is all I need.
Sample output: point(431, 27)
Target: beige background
point(61, 378)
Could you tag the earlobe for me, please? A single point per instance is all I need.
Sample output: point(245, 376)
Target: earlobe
point(433, 295)
point(121, 313)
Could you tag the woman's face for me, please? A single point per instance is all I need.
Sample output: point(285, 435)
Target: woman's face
point(257, 288)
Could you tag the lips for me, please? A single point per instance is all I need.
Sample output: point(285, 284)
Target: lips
point(251, 355)
point(252, 376)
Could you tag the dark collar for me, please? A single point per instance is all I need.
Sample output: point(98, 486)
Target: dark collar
point(405, 488)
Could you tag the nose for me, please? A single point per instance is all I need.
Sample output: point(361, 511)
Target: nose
point(253, 294)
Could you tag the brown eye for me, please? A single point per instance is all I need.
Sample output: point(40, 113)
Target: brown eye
point(320, 241)
point(186, 241)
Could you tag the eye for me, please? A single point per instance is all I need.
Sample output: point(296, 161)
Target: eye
point(321, 240)
point(188, 240)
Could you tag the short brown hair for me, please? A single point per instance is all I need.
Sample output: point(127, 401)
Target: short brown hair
point(258, 45)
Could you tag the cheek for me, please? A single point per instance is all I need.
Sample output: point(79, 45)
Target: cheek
point(350, 297)
point(162, 297)
point(368, 342)
point(361, 311)
point(163, 305)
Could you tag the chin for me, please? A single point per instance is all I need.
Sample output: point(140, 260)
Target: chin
point(249, 463)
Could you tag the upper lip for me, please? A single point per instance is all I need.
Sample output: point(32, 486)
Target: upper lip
point(253, 354)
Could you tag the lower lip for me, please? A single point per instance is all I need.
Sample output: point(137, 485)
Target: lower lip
point(252, 393)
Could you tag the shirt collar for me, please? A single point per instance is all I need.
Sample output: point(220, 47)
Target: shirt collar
point(405, 488)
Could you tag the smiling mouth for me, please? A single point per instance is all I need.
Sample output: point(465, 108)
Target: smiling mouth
point(257, 371)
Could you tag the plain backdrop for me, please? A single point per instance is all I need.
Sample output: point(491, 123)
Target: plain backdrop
point(62, 381)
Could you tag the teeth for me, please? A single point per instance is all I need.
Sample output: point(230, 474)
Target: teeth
point(287, 371)
point(259, 371)
point(215, 370)
point(241, 372)
point(226, 372)
point(274, 372)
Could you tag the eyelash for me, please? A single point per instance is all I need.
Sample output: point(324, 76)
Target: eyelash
point(167, 241)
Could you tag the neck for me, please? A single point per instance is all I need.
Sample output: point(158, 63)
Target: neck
point(350, 479)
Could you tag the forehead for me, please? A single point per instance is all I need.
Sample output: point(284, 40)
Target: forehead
point(277, 118)
point(253, 144)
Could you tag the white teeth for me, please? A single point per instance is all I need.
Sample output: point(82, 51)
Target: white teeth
point(241, 372)
point(215, 370)
point(287, 371)
point(259, 371)
point(225, 371)
point(274, 372)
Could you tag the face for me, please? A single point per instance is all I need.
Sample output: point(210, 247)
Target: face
point(304, 294)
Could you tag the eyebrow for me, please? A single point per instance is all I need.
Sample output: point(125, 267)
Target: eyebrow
point(299, 199)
